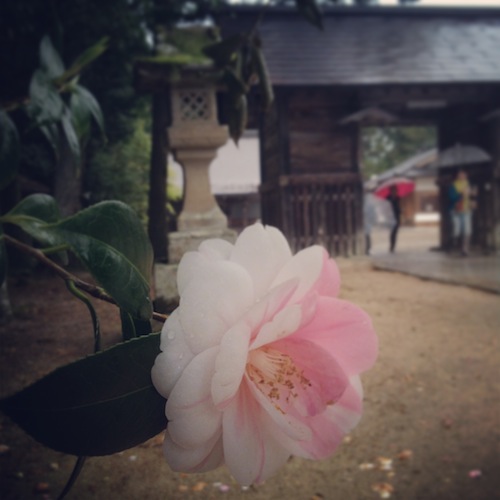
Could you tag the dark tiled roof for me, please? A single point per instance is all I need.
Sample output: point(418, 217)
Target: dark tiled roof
point(382, 46)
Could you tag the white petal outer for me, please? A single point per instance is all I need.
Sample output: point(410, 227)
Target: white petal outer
point(306, 265)
point(265, 309)
point(193, 419)
point(194, 426)
point(216, 249)
point(189, 267)
point(284, 323)
point(192, 262)
point(251, 451)
point(213, 301)
point(193, 385)
point(230, 364)
point(175, 356)
point(262, 251)
point(200, 459)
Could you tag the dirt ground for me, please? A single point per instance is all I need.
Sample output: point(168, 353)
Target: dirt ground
point(431, 403)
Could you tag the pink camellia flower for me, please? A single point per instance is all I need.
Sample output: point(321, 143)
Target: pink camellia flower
point(260, 360)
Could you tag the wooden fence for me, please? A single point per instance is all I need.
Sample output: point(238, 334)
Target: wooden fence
point(317, 208)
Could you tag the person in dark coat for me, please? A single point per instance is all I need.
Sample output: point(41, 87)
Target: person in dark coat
point(395, 201)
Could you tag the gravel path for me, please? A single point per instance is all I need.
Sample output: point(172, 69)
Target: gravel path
point(432, 412)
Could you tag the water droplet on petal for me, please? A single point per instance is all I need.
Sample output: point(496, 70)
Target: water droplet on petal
point(170, 335)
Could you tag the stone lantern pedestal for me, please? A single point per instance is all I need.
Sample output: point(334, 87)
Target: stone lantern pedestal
point(194, 137)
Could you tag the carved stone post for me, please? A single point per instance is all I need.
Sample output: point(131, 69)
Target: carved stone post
point(194, 137)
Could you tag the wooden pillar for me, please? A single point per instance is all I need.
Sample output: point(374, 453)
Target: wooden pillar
point(157, 210)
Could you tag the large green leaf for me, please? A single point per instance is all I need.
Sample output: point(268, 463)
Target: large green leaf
point(99, 405)
point(32, 214)
point(132, 327)
point(9, 149)
point(38, 206)
point(50, 60)
point(108, 238)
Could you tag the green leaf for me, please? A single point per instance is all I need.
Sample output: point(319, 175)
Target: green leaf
point(238, 116)
point(84, 106)
point(9, 150)
point(39, 206)
point(233, 82)
point(107, 237)
point(32, 214)
point(70, 134)
point(264, 79)
point(83, 60)
point(111, 241)
point(132, 327)
point(51, 133)
point(310, 10)
point(224, 52)
point(45, 103)
point(50, 60)
point(96, 406)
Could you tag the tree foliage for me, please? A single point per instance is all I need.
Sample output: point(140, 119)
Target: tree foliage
point(386, 147)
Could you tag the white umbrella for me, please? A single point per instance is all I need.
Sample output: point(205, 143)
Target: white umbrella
point(461, 154)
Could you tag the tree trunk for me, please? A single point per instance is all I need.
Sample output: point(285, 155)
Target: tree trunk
point(5, 306)
point(68, 180)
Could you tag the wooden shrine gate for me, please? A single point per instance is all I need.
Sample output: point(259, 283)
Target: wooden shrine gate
point(313, 209)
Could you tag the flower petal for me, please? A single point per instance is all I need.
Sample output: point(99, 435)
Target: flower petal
point(251, 452)
point(328, 283)
point(174, 357)
point(315, 379)
point(284, 323)
point(230, 364)
point(262, 251)
point(330, 427)
point(199, 459)
point(291, 425)
point(345, 331)
point(193, 419)
point(214, 301)
point(307, 266)
point(216, 248)
point(193, 262)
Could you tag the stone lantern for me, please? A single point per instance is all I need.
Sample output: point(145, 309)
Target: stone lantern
point(194, 136)
point(183, 82)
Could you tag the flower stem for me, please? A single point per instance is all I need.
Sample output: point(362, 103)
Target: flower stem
point(80, 462)
point(91, 289)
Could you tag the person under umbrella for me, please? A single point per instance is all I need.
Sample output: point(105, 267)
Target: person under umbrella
point(460, 207)
point(393, 190)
